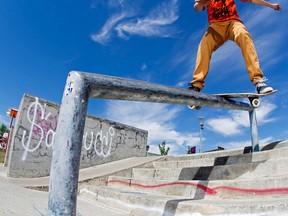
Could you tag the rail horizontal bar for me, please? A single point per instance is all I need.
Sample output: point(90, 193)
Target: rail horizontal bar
point(116, 88)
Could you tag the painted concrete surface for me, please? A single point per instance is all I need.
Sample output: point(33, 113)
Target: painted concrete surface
point(30, 148)
point(142, 204)
point(17, 200)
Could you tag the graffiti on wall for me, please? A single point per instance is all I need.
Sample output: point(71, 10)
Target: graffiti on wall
point(42, 127)
point(99, 142)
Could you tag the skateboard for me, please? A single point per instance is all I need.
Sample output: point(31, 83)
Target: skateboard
point(253, 98)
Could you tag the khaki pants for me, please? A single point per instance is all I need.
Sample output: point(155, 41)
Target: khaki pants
point(216, 35)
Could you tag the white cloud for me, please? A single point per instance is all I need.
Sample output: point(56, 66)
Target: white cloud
point(224, 126)
point(232, 124)
point(156, 24)
point(157, 119)
point(104, 36)
point(3, 120)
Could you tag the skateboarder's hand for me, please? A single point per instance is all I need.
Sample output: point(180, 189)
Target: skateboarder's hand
point(276, 7)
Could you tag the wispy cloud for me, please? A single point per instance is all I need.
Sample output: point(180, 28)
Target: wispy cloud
point(3, 120)
point(105, 34)
point(157, 119)
point(157, 23)
point(233, 124)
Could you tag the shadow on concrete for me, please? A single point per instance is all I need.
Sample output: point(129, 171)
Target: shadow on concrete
point(225, 167)
point(172, 205)
point(247, 150)
point(195, 173)
point(246, 157)
point(270, 146)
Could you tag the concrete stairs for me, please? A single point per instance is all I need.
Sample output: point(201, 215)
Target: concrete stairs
point(215, 183)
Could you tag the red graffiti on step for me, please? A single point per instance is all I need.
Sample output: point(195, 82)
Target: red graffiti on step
point(206, 189)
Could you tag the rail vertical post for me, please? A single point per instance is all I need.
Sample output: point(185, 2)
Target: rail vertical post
point(254, 131)
point(67, 148)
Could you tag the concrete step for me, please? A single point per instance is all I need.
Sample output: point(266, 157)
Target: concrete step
point(142, 203)
point(228, 183)
point(196, 173)
point(253, 188)
point(195, 161)
point(225, 172)
point(245, 150)
point(99, 174)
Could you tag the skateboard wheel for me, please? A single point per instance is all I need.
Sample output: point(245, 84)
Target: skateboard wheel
point(255, 103)
point(194, 107)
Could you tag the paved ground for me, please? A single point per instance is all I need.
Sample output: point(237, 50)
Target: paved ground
point(20, 201)
point(17, 200)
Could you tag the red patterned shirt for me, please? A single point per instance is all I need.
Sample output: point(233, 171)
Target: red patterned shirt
point(222, 10)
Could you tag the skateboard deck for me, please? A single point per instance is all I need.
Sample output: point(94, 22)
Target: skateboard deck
point(253, 98)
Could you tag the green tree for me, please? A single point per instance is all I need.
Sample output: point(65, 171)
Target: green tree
point(189, 150)
point(3, 129)
point(163, 149)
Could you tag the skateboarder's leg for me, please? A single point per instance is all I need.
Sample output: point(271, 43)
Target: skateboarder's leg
point(239, 34)
point(211, 41)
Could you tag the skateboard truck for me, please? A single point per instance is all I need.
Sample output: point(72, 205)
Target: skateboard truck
point(255, 102)
point(192, 107)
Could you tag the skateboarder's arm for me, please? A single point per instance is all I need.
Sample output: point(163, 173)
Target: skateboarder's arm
point(200, 5)
point(275, 6)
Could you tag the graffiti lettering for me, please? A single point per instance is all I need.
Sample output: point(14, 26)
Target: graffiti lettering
point(43, 127)
point(100, 142)
point(40, 127)
point(70, 87)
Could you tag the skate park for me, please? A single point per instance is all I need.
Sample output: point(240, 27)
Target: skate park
point(250, 180)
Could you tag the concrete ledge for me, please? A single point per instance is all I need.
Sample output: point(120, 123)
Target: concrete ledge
point(142, 204)
point(225, 172)
point(256, 188)
point(97, 174)
point(240, 151)
point(222, 158)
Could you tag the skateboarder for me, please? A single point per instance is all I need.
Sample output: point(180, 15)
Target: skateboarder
point(225, 24)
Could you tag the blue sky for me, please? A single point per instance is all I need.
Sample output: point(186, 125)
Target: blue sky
point(155, 41)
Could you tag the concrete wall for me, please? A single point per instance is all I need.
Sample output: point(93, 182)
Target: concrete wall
point(31, 144)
